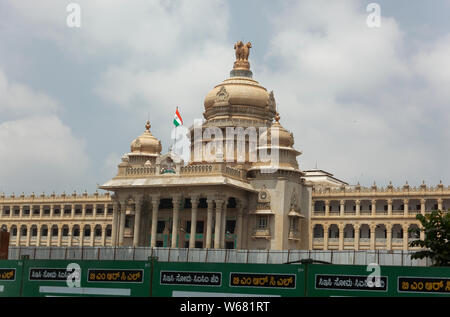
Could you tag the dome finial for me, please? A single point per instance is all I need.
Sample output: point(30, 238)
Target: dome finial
point(277, 117)
point(147, 126)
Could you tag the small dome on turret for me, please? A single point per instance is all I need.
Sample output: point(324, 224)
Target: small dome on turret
point(285, 138)
point(146, 143)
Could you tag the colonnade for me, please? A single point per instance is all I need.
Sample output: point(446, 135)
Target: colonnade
point(216, 215)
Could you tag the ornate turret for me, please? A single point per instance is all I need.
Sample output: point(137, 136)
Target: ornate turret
point(146, 144)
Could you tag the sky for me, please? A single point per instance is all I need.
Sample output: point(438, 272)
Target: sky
point(367, 104)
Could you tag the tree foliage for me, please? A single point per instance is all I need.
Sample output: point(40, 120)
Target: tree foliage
point(436, 244)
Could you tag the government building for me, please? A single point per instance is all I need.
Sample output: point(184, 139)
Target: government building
point(244, 191)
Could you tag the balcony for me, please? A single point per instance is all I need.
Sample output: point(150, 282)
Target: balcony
point(261, 233)
point(294, 235)
point(319, 213)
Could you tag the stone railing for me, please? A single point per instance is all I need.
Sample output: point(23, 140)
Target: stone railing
point(355, 190)
point(54, 198)
point(213, 168)
point(131, 171)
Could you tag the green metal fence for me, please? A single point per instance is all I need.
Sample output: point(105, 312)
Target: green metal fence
point(34, 278)
point(230, 279)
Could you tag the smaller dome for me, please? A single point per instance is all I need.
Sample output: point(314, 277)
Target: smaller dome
point(146, 143)
point(285, 138)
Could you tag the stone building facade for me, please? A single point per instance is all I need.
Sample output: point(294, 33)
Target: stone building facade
point(229, 195)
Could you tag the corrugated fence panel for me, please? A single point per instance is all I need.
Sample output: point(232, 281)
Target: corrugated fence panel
point(350, 257)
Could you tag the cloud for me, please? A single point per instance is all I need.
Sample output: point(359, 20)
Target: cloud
point(18, 100)
point(350, 94)
point(37, 150)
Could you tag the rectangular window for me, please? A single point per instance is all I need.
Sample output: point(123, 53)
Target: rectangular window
point(199, 228)
point(229, 245)
point(128, 222)
point(198, 244)
point(230, 226)
point(188, 226)
point(262, 222)
point(161, 226)
point(159, 244)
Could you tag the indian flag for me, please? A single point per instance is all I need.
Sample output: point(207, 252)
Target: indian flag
point(177, 119)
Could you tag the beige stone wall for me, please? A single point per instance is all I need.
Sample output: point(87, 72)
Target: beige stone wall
point(55, 220)
point(383, 215)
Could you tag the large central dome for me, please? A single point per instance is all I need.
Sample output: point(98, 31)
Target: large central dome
point(240, 97)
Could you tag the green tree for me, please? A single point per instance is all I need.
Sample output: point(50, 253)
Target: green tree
point(436, 244)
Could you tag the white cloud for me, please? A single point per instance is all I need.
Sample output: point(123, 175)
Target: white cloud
point(349, 94)
point(37, 150)
point(18, 100)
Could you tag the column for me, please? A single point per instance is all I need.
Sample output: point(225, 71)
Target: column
point(342, 207)
point(217, 232)
point(194, 210)
point(389, 201)
point(69, 242)
point(422, 206)
point(20, 211)
point(92, 241)
point(137, 221)
point(327, 207)
point(175, 219)
point(41, 211)
point(19, 231)
point(115, 223)
point(209, 223)
point(61, 211)
point(122, 222)
point(388, 236)
point(28, 235)
point(155, 206)
point(38, 238)
point(374, 207)
point(223, 225)
point(313, 205)
point(341, 236)
point(405, 237)
point(239, 225)
point(49, 231)
point(94, 210)
point(356, 237)
point(52, 211)
point(440, 201)
point(358, 206)
point(372, 236)
point(325, 237)
point(59, 233)
point(105, 210)
point(83, 211)
point(405, 207)
point(103, 244)
point(72, 211)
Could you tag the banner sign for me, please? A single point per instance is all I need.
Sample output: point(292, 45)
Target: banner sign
point(7, 274)
point(48, 274)
point(423, 285)
point(114, 275)
point(191, 278)
point(266, 280)
point(349, 282)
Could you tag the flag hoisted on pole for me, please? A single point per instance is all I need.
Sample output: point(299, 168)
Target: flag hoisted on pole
point(177, 121)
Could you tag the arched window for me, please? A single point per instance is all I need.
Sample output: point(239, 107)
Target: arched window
point(318, 231)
